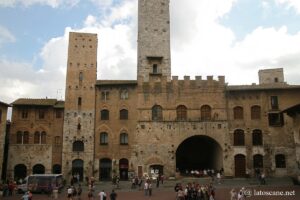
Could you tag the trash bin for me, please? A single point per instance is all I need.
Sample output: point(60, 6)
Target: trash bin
point(55, 194)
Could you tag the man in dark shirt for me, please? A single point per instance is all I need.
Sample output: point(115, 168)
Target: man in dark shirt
point(113, 195)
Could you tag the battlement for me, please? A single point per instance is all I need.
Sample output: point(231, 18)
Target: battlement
point(197, 82)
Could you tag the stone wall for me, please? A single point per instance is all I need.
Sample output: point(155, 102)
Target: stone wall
point(154, 38)
point(3, 110)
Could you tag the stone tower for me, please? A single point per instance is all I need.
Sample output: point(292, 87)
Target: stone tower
point(79, 116)
point(154, 57)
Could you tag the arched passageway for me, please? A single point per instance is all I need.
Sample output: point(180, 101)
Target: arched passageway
point(105, 169)
point(123, 169)
point(20, 171)
point(56, 169)
point(77, 168)
point(199, 153)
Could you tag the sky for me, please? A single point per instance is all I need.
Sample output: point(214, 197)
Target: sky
point(232, 38)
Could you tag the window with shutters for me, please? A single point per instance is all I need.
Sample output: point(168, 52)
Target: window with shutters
point(103, 138)
point(238, 112)
point(239, 138)
point(181, 112)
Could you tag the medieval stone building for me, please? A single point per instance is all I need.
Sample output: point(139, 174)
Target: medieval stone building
point(3, 116)
point(156, 122)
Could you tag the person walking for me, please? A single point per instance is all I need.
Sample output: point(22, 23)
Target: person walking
point(25, 196)
point(150, 189)
point(113, 195)
point(146, 188)
point(102, 195)
point(70, 192)
point(90, 195)
point(79, 191)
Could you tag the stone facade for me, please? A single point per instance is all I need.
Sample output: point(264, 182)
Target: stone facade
point(3, 115)
point(271, 76)
point(35, 137)
point(158, 122)
point(79, 119)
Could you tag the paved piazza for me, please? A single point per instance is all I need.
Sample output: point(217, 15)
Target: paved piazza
point(166, 191)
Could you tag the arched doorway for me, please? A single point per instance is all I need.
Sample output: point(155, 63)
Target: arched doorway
point(123, 168)
point(105, 169)
point(20, 171)
point(77, 168)
point(38, 169)
point(56, 169)
point(156, 170)
point(240, 165)
point(198, 153)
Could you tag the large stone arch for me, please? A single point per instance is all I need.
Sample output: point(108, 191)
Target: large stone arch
point(199, 152)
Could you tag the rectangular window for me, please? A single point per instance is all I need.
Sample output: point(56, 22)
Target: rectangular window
point(155, 69)
point(0, 116)
point(58, 114)
point(276, 119)
point(24, 114)
point(103, 139)
point(79, 101)
point(41, 114)
point(105, 95)
point(274, 102)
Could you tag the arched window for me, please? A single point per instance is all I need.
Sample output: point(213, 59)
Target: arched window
point(43, 137)
point(257, 138)
point(103, 138)
point(78, 146)
point(238, 112)
point(104, 114)
point(38, 169)
point(255, 112)
point(37, 136)
point(280, 161)
point(19, 137)
point(205, 112)
point(258, 161)
point(26, 137)
point(123, 139)
point(157, 114)
point(239, 138)
point(123, 114)
point(181, 112)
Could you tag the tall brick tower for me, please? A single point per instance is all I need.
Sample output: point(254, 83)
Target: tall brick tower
point(154, 57)
point(79, 116)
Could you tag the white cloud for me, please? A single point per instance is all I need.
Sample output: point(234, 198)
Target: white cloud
point(102, 3)
point(116, 58)
point(6, 35)
point(52, 3)
point(203, 46)
point(295, 4)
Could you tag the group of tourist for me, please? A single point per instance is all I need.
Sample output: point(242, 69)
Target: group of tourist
point(194, 191)
point(8, 188)
point(238, 194)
